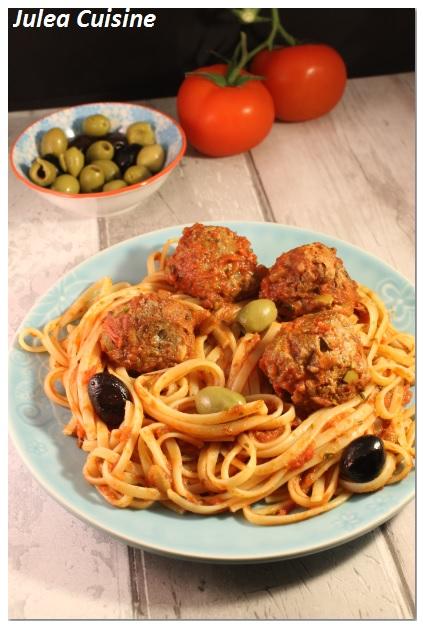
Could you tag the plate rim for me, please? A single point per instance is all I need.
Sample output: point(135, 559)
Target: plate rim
point(206, 557)
point(243, 558)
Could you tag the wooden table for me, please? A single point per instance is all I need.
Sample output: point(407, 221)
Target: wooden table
point(349, 174)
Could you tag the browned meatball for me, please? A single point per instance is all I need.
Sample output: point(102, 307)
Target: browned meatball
point(308, 279)
point(215, 265)
point(151, 332)
point(318, 360)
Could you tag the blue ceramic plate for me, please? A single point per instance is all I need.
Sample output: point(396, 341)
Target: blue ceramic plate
point(53, 459)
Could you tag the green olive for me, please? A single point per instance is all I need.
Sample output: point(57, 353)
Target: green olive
point(350, 377)
point(100, 150)
point(42, 172)
point(140, 133)
point(135, 174)
point(213, 399)
point(325, 298)
point(66, 184)
point(115, 184)
point(91, 179)
point(151, 156)
point(257, 315)
point(72, 161)
point(54, 141)
point(110, 169)
point(96, 125)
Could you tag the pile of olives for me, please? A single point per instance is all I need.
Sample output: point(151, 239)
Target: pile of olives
point(98, 160)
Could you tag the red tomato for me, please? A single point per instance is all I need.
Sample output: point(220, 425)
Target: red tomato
point(305, 81)
point(221, 121)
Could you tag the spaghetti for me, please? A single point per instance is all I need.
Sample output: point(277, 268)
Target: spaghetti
point(258, 457)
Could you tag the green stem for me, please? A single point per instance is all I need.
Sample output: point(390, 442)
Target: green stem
point(275, 28)
point(233, 72)
point(278, 28)
point(291, 41)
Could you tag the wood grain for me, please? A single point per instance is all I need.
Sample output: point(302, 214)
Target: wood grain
point(351, 173)
point(60, 567)
point(342, 582)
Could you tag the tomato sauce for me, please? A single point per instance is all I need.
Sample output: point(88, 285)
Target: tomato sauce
point(302, 458)
point(214, 264)
point(267, 436)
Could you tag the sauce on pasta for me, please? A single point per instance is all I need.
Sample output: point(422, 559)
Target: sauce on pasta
point(260, 458)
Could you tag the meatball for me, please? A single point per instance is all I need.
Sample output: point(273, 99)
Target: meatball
point(308, 279)
point(318, 360)
point(151, 332)
point(215, 265)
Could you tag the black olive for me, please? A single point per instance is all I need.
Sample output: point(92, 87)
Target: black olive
point(117, 139)
point(363, 459)
point(82, 142)
point(108, 396)
point(127, 156)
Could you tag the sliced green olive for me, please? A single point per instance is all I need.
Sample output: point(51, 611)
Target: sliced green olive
point(135, 174)
point(140, 133)
point(66, 184)
point(54, 141)
point(325, 298)
point(96, 125)
point(91, 179)
point(350, 377)
point(42, 172)
point(152, 156)
point(257, 315)
point(115, 184)
point(100, 150)
point(72, 161)
point(110, 169)
point(213, 399)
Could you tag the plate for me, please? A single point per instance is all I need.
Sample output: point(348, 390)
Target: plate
point(56, 462)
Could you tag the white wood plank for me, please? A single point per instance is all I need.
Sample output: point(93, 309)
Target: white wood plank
point(59, 567)
point(351, 173)
point(340, 583)
point(400, 533)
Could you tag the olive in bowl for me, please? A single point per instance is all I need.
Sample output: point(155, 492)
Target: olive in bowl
point(132, 159)
point(66, 184)
point(96, 125)
point(43, 172)
point(100, 150)
point(109, 199)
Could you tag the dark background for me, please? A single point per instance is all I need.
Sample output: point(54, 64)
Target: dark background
point(51, 67)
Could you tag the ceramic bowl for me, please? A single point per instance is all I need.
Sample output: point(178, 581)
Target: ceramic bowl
point(101, 204)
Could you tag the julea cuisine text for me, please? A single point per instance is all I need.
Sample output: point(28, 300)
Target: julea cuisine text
point(86, 18)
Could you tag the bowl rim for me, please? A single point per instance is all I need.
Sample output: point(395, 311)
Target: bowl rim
point(112, 193)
